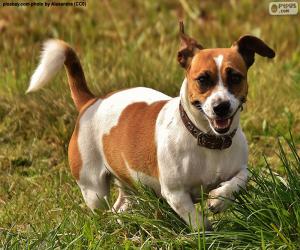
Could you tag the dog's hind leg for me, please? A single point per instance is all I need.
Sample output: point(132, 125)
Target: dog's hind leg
point(86, 162)
point(122, 202)
point(95, 194)
point(94, 180)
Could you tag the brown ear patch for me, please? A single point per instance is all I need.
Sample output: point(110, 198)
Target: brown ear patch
point(74, 156)
point(132, 141)
point(188, 48)
point(248, 45)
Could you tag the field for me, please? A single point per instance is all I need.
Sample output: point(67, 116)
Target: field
point(123, 44)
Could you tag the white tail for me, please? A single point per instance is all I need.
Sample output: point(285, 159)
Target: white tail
point(52, 59)
point(55, 54)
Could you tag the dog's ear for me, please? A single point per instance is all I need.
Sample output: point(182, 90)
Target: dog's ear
point(188, 48)
point(248, 45)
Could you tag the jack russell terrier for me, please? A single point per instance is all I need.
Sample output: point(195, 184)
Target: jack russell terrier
point(173, 145)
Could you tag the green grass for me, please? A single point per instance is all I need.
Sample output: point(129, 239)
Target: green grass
point(134, 43)
point(266, 216)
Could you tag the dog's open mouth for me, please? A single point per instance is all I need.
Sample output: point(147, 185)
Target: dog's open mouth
point(221, 125)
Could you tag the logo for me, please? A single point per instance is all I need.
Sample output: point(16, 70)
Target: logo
point(283, 8)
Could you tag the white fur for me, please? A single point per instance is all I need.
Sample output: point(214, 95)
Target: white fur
point(183, 166)
point(218, 60)
point(93, 179)
point(52, 60)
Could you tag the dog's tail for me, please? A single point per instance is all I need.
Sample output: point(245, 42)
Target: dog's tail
point(55, 54)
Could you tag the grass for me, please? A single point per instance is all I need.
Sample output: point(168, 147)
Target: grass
point(125, 44)
point(265, 217)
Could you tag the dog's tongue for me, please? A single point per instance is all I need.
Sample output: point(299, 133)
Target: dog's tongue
point(224, 123)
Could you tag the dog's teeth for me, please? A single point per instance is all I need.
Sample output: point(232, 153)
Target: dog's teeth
point(222, 123)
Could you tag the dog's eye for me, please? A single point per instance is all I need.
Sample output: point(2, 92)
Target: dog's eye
point(204, 80)
point(234, 77)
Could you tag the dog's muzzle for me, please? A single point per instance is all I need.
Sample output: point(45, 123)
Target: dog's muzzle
point(222, 123)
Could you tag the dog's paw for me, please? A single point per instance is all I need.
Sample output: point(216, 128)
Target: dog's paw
point(208, 226)
point(198, 225)
point(219, 199)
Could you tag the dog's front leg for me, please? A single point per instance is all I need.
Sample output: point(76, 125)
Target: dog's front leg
point(221, 197)
point(182, 204)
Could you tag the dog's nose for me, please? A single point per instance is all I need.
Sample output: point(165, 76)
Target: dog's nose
point(222, 108)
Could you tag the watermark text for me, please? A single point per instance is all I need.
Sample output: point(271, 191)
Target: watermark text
point(283, 8)
point(79, 3)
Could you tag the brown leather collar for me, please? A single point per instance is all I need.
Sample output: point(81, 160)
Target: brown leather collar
point(203, 139)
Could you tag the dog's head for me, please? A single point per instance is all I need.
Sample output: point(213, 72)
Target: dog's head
point(217, 78)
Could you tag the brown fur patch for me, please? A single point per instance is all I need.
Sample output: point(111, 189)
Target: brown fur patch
point(133, 140)
point(77, 83)
point(75, 161)
point(204, 61)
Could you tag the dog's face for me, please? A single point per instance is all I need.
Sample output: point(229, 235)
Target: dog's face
point(217, 78)
point(217, 84)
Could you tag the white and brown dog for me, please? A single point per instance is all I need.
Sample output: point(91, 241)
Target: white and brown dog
point(173, 145)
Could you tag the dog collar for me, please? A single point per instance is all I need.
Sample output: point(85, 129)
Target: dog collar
point(204, 139)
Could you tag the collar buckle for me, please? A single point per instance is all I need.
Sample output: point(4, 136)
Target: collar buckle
point(201, 140)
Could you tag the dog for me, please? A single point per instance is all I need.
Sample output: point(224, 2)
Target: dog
point(173, 145)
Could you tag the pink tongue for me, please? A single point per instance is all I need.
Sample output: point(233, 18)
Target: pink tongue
point(222, 123)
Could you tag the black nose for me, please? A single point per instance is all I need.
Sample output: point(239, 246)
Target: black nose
point(222, 108)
